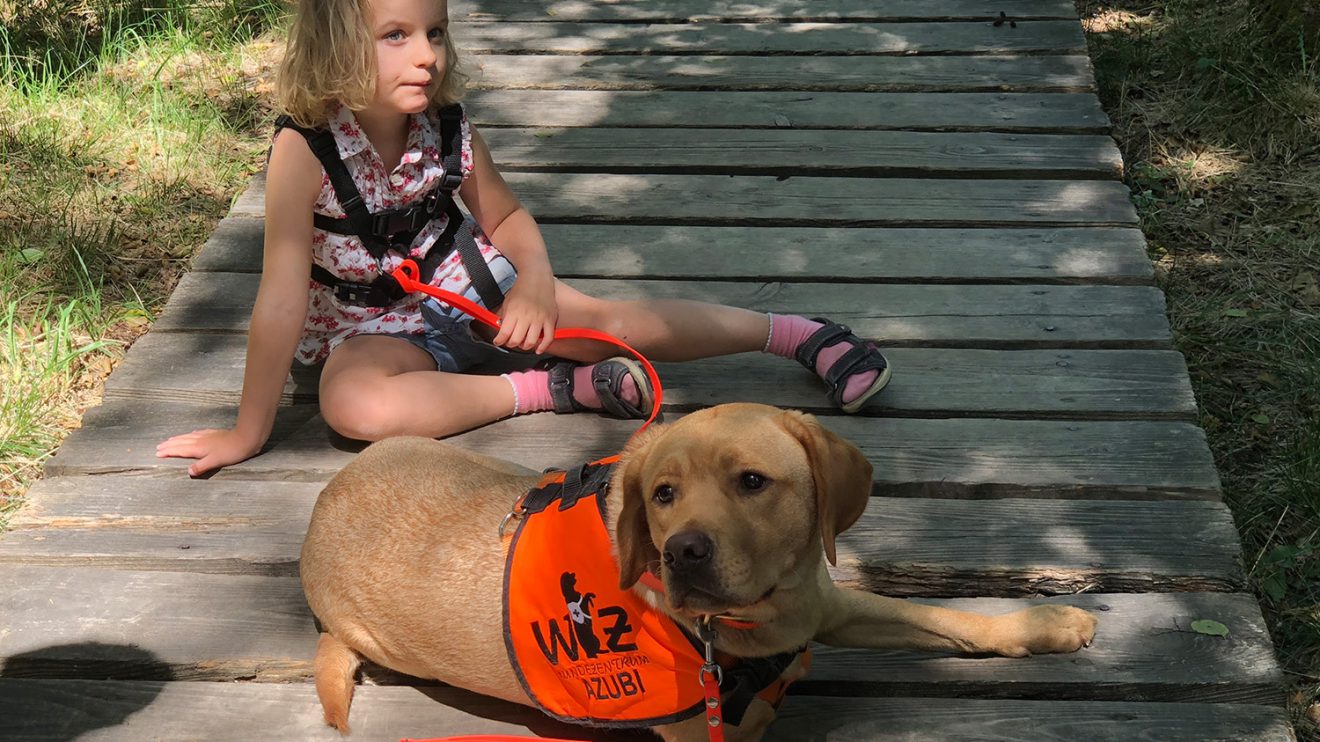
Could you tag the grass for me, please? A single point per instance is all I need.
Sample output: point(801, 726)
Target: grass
point(126, 129)
point(1217, 110)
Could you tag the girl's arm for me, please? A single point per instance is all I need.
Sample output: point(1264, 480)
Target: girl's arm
point(292, 185)
point(528, 315)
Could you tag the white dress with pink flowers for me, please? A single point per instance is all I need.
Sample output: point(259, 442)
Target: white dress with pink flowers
point(330, 321)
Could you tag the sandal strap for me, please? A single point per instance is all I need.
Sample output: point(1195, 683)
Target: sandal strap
point(607, 378)
point(860, 358)
point(829, 334)
point(561, 387)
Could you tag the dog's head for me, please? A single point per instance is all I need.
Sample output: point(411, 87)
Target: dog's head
point(732, 501)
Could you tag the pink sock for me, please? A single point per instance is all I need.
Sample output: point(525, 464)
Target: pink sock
point(788, 331)
point(531, 390)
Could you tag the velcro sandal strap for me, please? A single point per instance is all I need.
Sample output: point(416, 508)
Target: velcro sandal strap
point(831, 333)
point(607, 379)
point(858, 359)
point(561, 387)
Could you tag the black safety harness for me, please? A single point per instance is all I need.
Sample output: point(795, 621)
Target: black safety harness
point(396, 229)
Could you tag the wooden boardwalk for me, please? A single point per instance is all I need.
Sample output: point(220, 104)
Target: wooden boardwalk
point(942, 184)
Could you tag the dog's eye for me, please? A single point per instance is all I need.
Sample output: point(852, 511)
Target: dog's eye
point(752, 481)
point(664, 494)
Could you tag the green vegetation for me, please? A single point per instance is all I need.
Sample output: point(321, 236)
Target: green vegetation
point(1217, 109)
point(126, 128)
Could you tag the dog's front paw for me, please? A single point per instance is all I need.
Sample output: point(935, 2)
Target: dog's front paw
point(1044, 629)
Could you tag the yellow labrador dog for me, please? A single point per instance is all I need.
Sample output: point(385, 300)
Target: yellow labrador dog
point(734, 508)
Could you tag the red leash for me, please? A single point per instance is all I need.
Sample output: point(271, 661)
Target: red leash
point(407, 274)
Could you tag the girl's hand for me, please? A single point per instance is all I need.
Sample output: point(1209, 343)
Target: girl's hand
point(212, 449)
point(528, 315)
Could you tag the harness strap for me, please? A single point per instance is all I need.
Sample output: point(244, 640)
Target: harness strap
point(568, 486)
point(360, 223)
point(395, 230)
point(451, 159)
point(468, 251)
point(749, 678)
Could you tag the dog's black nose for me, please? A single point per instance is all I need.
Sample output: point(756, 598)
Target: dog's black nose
point(688, 550)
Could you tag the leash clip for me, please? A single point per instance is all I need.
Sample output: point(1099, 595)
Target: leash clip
point(711, 676)
point(706, 632)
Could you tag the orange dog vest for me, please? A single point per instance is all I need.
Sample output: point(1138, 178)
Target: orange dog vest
point(586, 651)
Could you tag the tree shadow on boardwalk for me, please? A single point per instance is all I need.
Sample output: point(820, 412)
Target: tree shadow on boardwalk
point(36, 705)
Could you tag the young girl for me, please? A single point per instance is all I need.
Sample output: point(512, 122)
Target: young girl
point(375, 74)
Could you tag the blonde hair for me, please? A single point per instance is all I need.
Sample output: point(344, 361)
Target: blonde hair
point(331, 57)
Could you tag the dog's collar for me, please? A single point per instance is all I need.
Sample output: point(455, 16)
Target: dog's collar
point(652, 581)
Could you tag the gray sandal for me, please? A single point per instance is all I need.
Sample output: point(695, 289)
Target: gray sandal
point(607, 378)
point(862, 356)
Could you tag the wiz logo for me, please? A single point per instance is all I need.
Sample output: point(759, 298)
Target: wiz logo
point(580, 624)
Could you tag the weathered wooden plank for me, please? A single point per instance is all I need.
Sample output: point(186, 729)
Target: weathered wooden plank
point(764, 10)
point(122, 624)
point(1076, 384)
point(235, 245)
point(987, 316)
point(106, 711)
point(202, 368)
point(907, 547)
point(100, 623)
point(1057, 112)
point(251, 203)
point(179, 504)
point(813, 201)
point(122, 437)
point(484, 37)
point(935, 547)
point(1062, 255)
point(878, 154)
point(220, 527)
point(1076, 255)
point(809, 201)
point(1151, 629)
point(820, 719)
point(929, 74)
point(965, 457)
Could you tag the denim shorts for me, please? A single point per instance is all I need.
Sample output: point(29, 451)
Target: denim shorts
point(449, 337)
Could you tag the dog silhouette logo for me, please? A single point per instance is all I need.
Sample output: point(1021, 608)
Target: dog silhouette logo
point(579, 612)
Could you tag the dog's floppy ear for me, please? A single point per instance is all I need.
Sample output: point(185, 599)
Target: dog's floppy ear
point(841, 473)
point(632, 533)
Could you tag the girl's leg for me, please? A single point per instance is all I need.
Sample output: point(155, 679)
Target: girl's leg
point(374, 387)
point(680, 330)
point(662, 329)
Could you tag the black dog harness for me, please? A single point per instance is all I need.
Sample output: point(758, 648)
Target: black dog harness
point(396, 229)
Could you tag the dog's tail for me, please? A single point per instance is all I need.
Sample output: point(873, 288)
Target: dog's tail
point(334, 668)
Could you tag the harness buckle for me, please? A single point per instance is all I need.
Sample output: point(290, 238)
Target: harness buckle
point(384, 292)
point(449, 181)
point(355, 293)
point(403, 224)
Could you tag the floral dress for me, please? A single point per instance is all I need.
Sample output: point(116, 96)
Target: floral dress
point(330, 321)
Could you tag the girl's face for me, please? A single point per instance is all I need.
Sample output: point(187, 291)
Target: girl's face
point(410, 52)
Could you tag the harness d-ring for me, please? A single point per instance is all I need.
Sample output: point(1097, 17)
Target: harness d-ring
point(514, 512)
